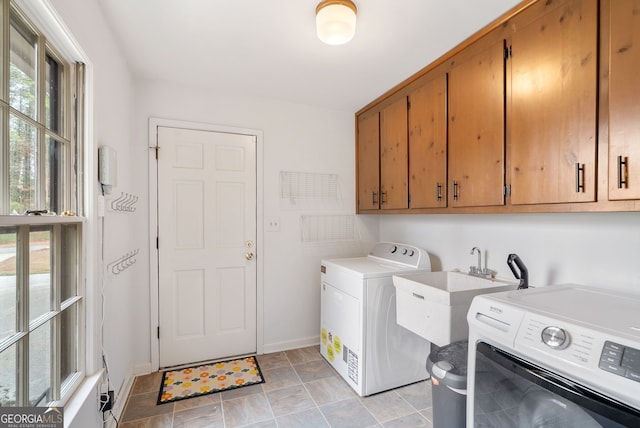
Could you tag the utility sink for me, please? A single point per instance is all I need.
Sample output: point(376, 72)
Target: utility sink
point(434, 305)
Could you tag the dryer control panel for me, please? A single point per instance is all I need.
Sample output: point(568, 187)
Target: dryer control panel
point(408, 255)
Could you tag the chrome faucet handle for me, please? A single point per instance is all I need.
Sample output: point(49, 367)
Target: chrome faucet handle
point(489, 273)
point(478, 268)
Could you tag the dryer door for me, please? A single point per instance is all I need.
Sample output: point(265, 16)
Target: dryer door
point(341, 333)
point(395, 356)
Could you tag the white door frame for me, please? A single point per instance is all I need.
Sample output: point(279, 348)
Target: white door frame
point(154, 123)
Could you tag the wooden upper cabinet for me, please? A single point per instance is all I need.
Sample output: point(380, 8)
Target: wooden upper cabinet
point(428, 144)
point(476, 129)
point(368, 162)
point(515, 110)
point(624, 100)
point(552, 106)
point(394, 191)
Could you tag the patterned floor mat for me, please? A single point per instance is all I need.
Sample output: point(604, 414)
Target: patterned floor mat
point(208, 379)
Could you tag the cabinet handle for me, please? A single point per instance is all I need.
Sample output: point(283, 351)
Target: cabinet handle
point(579, 178)
point(373, 198)
point(623, 173)
point(382, 199)
point(438, 192)
point(454, 190)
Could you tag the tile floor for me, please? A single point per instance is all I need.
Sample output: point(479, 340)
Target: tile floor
point(300, 390)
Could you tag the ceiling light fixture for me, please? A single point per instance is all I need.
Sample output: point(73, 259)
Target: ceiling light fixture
point(336, 21)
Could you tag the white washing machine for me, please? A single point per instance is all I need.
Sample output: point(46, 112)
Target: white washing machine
point(359, 334)
point(557, 356)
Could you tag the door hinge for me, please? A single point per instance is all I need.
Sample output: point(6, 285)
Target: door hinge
point(408, 104)
point(157, 243)
point(507, 190)
point(155, 148)
point(409, 199)
point(158, 331)
point(507, 52)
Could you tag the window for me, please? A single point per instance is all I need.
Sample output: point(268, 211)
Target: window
point(41, 258)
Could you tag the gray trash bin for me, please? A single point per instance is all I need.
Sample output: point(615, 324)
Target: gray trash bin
point(448, 369)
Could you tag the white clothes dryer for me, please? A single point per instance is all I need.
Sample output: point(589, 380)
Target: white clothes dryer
point(359, 334)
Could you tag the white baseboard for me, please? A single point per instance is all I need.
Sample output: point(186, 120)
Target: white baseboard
point(120, 402)
point(110, 423)
point(291, 344)
point(142, 369)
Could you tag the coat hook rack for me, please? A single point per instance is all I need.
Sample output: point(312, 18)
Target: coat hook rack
point(126, 202)
point(123, 263)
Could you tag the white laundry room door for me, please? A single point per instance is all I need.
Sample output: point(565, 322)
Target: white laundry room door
point(206, 245)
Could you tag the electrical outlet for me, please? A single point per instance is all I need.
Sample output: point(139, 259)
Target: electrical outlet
point(106, 401)
point(272, 224)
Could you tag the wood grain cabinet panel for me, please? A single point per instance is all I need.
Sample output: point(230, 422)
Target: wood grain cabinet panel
point(476, 130)
point(368, 161)
point(624, 100)
point(537, 112)
point(394, 190)
point(552, 106)
point(428, 145)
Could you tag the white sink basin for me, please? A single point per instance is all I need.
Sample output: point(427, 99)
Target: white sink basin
point(450, 287)
point(434, 305)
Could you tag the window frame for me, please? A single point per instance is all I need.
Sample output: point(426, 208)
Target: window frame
point(63, 135)
point(54, 41)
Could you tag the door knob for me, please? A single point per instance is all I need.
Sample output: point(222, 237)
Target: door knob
point(248, 256)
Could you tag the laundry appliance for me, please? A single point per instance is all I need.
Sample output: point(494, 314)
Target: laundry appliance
point(555, 356)
point(360, 338)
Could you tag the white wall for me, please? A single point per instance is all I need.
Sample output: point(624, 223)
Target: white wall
point(112, 125)
point(296, 138)
point(594, 249)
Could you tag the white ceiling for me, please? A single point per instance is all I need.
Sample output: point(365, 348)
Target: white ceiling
point(268, 48)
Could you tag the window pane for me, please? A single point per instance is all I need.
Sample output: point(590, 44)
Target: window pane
point(39, 272)
point(8, 377)
point(8, 291)
point(52, 96)
point(69, 342)
point(53, 164)
point(23, 166)
point(69, 261)
point(22, 80)
point(40, 365)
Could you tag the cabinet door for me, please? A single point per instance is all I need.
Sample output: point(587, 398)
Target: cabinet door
point(428, 145)
point(394, 193)
point(553, 106)
point(368, 162)
point(624, 100)
point(476, 130)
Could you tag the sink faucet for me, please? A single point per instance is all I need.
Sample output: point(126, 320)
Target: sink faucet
point(476, 269)
point(479, 270)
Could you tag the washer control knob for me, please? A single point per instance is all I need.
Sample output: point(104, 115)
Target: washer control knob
point(394, 249)
point(404, 251)
point(555, 337)
point(411, 253)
